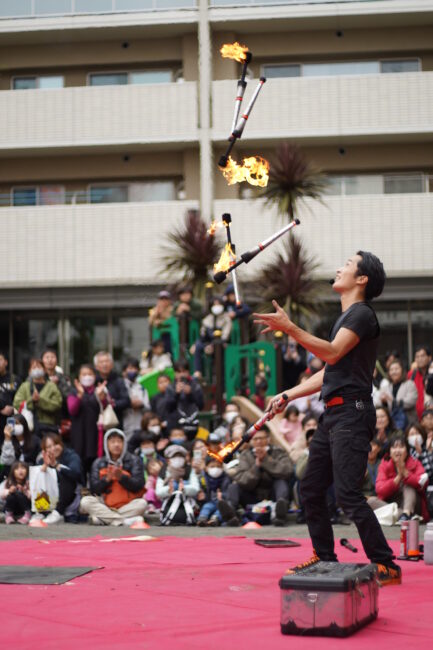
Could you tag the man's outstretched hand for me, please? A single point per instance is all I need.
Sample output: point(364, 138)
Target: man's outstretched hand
point(274, 322)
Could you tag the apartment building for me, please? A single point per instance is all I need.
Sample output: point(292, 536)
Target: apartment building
point(115, 113)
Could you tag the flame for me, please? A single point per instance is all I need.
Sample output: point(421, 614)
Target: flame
point(226, 260)
point(214, 226)
point(222, 453)
point(234, 51)
point(254, 170)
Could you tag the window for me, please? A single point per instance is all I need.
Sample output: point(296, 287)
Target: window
point(26, 83)
point(151, 77)
point(376, 184)
point(108, 194)
point(43, 195)
point(411, 65)
point(123, 78)
point(340, 68)
point(24, 196)
point(108, 79)
point(404, 184)
point(153, 191)
point(333, 68)
point(284, 70)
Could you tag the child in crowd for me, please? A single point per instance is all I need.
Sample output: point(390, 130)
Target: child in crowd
point(290, 424)
point(178, 480)
point(156, 359)
point(217, 483)
point(153, 469)
point(15, 492)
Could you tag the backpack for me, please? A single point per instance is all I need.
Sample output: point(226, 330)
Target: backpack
point(177, 510)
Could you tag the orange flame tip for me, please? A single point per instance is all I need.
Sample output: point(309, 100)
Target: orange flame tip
point(226, 260)
point(214, 226)
point(234, 51)
point(223, 452)
point(254, 170)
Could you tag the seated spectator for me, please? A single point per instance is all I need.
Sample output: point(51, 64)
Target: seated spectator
point(177, 436)
point(400, 397)
point(8, 387)
point(156, 359)
point(153, 469)
point(259, 396)
point(293, 363)
point(264, 472)
point(177, 487)
point(67, 464)
point(416, 437)
point(217, 320)
point(216, 484)
point(300, 469)
point(138, 398)
point(231, 411)
point(290, 425)
point(426, 455)
point(187, 305)
point(41, 397)
point(401, 479)
point(117, 393)
point(159, 314)
point(297, 448)
point(84, 405)
point(55, 374)
point(232, 308)
point(163, 404)
point(369, 485)
point(310, 403)
point(199, 457)
point(117, 485)
point(18, 444)
point(418, 374)
point(151, 426)
point(15, 493)
point(185, 398)
point(428, 384)
point(384, 428)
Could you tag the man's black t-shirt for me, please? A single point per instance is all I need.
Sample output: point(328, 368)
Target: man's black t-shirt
point(353, 374)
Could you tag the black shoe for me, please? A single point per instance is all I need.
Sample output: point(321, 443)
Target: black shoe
point(279, 522)
point(389, 574)
point(234, 521)
point(226, 510)
point(300, 518)
point(281, 509)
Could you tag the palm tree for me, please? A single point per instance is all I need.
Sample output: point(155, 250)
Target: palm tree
point(191, 252)
point(292, 178)
point(290, 280)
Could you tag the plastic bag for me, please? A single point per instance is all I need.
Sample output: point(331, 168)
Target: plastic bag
point(387, 515)
point(28, 415)
point(44, 489)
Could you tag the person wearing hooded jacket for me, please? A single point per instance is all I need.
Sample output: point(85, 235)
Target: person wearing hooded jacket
point(117, 484)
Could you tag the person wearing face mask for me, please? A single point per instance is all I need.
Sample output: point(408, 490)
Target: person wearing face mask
point(150, 425)
point(40, 396)
point(230, 412)
point(401, 479)
point(138, 397)
point(218, 319)
point(177, 487)
point(17, 443)
point(216, 484)
point(416, 437)
point(83, 407)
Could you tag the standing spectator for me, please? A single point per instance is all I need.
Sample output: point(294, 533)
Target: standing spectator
point(163, 403)
point(185, 397)
point(15, 492)
point(418, 374)
point(187, 305)
point(263, 472)
point(160, 313)
point(42, 397)
point(400, 397)
point(18, 444)
point(217, 320)
point(8, 388)
point(84, 408)
point(260, 389)
point(232, 308)
point(402, 479)
point(138, 397)
point(156, 359)
point(113, 383)
point(55, 374)
point(293, 362)
point(117, 484)
point(426, 455)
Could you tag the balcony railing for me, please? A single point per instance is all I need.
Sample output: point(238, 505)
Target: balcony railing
point(105, 115)
point(123, 243)
point(42, 8)
point(316, 107)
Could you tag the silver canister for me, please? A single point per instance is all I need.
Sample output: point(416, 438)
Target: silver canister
point(413, 538)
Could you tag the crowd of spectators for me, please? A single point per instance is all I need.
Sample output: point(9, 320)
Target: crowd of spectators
point(118, 456)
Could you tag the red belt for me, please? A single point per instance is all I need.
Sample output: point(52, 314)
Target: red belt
point(335, 401)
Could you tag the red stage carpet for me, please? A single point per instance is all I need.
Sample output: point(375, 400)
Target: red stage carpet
point(197, 593)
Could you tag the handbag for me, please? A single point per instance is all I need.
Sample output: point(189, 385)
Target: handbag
point(44, 488)
point(107, 417)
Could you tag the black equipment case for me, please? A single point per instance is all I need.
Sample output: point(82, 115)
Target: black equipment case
point(328, 598)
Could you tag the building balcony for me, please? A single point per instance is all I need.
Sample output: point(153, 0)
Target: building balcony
point(122, 244)
point(106, 116)
point(379, 106)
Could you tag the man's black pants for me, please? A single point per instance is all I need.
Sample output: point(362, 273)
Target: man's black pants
point(338, 454)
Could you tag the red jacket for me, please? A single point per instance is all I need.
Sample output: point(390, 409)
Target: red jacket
point(386, 488)
point(418, 380)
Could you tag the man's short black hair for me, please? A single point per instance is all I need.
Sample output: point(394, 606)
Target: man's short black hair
point(372, 267)
point(426, 349)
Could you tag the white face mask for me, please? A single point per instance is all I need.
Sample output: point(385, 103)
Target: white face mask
point(230, 416)
point(18, 430)
point(412, 440)
point(87, 381)
point(177, 462)
point(217, 309)
point(156, 429)
point(147, 451)
point(215, 472)
point(37, 373)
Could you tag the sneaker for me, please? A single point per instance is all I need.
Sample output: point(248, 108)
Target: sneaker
point(129, 521)
point(281, 509)
point(403, 517)
point(95, 521)
point(24, 520)
point(38, 516)
point(389, 574)
point(234, 521)
point(213, 521)
point(202, 521)
point(9, 518)
point(227, 511)
point(303, 565)
point(54, 518)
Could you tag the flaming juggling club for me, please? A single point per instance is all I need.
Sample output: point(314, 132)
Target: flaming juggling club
point(227, 218)
point(225, 455)
point(242, 84)
point(249, 255)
